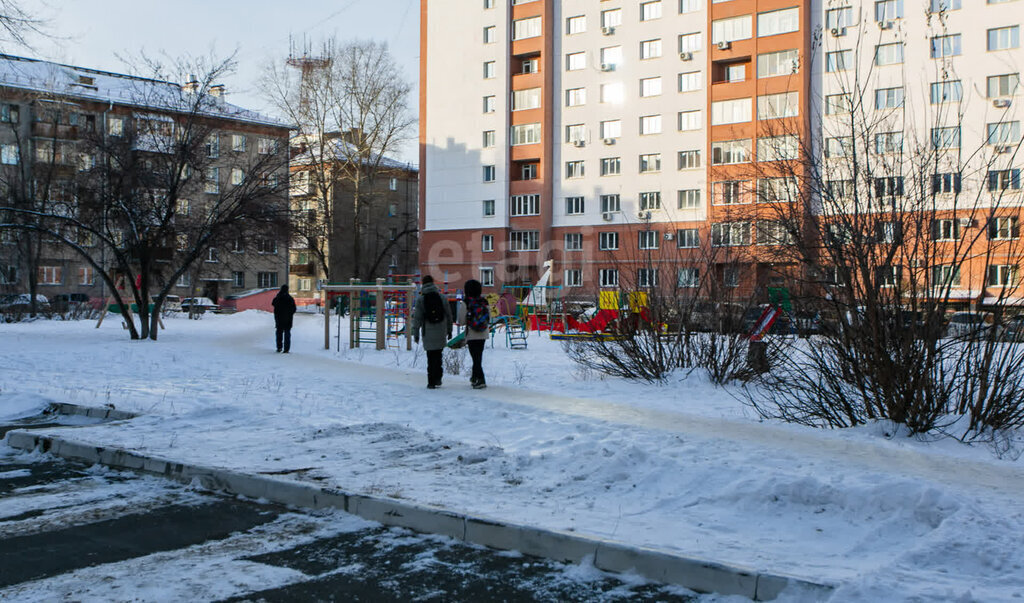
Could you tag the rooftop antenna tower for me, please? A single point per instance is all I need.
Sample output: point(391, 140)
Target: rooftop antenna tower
point(303, 59)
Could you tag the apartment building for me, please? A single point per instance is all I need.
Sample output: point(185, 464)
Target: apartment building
point(48, 112)
point(623, 138)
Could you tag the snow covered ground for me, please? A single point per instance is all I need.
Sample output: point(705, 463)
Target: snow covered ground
point(683, 466)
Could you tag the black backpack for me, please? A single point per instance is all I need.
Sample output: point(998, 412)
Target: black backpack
point(433, 307)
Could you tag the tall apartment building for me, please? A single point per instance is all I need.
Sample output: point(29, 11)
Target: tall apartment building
point(52, 117)
point(593, 132)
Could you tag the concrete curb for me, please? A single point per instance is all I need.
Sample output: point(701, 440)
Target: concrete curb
point(111, 414)
point(612, 556)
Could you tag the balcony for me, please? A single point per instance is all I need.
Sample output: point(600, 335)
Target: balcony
point(302, 269)
point(44, 129)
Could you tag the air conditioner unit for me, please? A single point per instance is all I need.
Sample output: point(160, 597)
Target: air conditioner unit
point(607, 30)
point(579, 143)
point(643, 215)
point(1002, 103)
point(607, 67)
point(686, 56)
point(607, 216)
point(724, 45)
point(838, 32)
point(1004, 149)
point(885, 25)
point(669, 236)
point(609, 141)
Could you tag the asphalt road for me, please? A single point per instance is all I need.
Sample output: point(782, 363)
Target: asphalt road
point(69, 532)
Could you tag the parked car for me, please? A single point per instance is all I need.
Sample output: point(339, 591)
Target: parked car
point(1013, 328)
point(20, 303)
point(69, 302)
point(172, 303)
point(969, 324)
point(198, 305)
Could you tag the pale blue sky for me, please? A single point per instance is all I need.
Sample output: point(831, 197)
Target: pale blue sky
point(92, 33)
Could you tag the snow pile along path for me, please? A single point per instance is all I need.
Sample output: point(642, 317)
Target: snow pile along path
point(681, 467)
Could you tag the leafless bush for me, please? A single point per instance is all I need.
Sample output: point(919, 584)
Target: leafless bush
point(454, 360)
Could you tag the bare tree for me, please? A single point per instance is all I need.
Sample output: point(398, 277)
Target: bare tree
point(17, 24)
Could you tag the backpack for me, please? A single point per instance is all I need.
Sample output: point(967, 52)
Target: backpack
point(478, 317)
point(433, 307)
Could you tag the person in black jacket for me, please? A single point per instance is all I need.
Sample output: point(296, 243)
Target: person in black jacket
point(284, 310)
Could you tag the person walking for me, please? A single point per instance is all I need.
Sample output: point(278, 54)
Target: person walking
point(432, 319)
point(284, 310)
point(475, 316)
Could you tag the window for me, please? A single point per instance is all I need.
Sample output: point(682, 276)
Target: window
point(115, 126)
point(86, 276)
point(650, 86)
point(574, 97)
point(212, 182)
point(489, 104)
point(946, 183)
point(888, 142)
point(575, 61)
point(887, 276)
point(650, 162)
point(888, 10)
point(573, 241)
point(1004, 38)
point(489, 173)
point(689, 120)
point(611, 18)
point(688, 278)
point(946, 138)
point(946, 276)
point(1003, 228)
point(730, 151)
point(689, 160)
point(889, 186)
point(266, 246)
point(946, 92)
point(689, 81)
point(608, 241)
point(526, 134)
point(490, 34)
point(237, 176)
point(9, 154)
point(525, 99)
point(728, 192)
point(238, 143)
point(1002, 275)
point(731, 29)
point(736, 72)
point(185, 280)
point(574, 206)
point(610, 203)
point(778, 148)
point(486, 277)
point(488, 4)
point(647, 277)
point(529, 65)
point(488, 207)
point(9, 114)
point(525, 205)
point(946, 230)
point(690, 42)
point(609, 277)
point(784, 62)
point(611, 93)
point(941, 5)
point(266, 146)
point(777, 190)
point(775, 106)
point(529, 171)
point(688, 238)
point(8, 275)
point(486, 243)
point(573, 169)
point(688, 198)
point(731, 111)
point(773, 232)
point(575, 25)
point(238, 280)
point(650, 124)
point(266, 280)
point(611, 128)
point(1003, 85)
point(50, 275)
point(574, 278)
point(1003, 180)
point(611, 56)
point(650, 10)
point(575, 133)
point(650, 201)
point(524, 240)
point(688, 6)
point(892, 54)
point(489, 69)
point(611, 166)
point(888, 98)
point(839, 18)
point(836, 104)
point(1003, 132)
point(839, 189)
point(488, 139)
point(778, 22)
point(945, 46)
point(650, 49)
point(729, 234)
point(839, 146)
point(839, 60)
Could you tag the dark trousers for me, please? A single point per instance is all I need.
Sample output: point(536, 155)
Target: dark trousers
point(476, 352)
point(435, 370)
point(286, 335)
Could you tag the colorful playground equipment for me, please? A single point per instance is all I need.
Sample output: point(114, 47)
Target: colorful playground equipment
point(379, 313)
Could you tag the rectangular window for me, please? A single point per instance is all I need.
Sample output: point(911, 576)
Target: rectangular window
point(888, 142)
point(731, 111)
point(839, 189)
point(731, 29)
point(576, 61)
point(888, 98)
point(784, 62)
point(525, 205)
point(728, 192)
point(1003, 228)
point(608, 241)
point(650, 86)
point(689, 120)
point(890, 186)
point(730, 151)
point(839, 18)
point(490, 34)
point(86, 276)
point(573, 169)
point(489, 173)
point(611, 18)
point(647, 277)
point(486, 243)
point(773, 232)
point(1003, 85)
point(946, 276)
point(524, 240)
point(687, 238)
point(888, 10)
point(488, 207)
point(946, 138)
point(212, 181)
point(690, 81)
point(890, 54)
point(610, 203)
point(946, 230)
point(9, 154)
point(778, 22)
point(839, 60)
point(266, 280)
point(946, 92)
point(574, 206)
point(688, 198)
point(238, 280)
point(1003, 180)
point(8, 275)
point(525, 134)
point(688, 278)
point(574, 278)
point(650, 49)
point(611, 56)
point(238, 143)
point(650, 201)
point(943, 5)
point(775, 106)
point(489, 102)
point(488, 139)
point(730, 234)
point(650, 10)
point(887, 276)
point(945, 46)
point(650, 124)
point(1003, 133)
point(837, 104)
point(689, 160)
point(1002, 275)
point(266, 246)
point(115, 127)
point(650, 162)
point(574, 97)
point(486, 277)
point(777, 190)
point(946, 183)
point(237, 176)
point(1004, 38)
point(9, 114)
point(778, 148)
point(266, 146)
point(575, 25)
point(575, 133)
point(489, 70)
point(839, 146)
point(50, 275)
point(688, 6)
point(690, 42)
point(609, 277)
point(611, 166)
point(611, 93)
point(573, 241)
point(525, 99)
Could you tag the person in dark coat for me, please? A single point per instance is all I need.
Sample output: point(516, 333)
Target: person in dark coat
point(475, 340)
point(284, 310)
point(435, 335)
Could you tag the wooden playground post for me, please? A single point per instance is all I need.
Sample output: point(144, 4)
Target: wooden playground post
point(353, 315)
point(327, 317)
point(379, 315)
point(408, 319)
